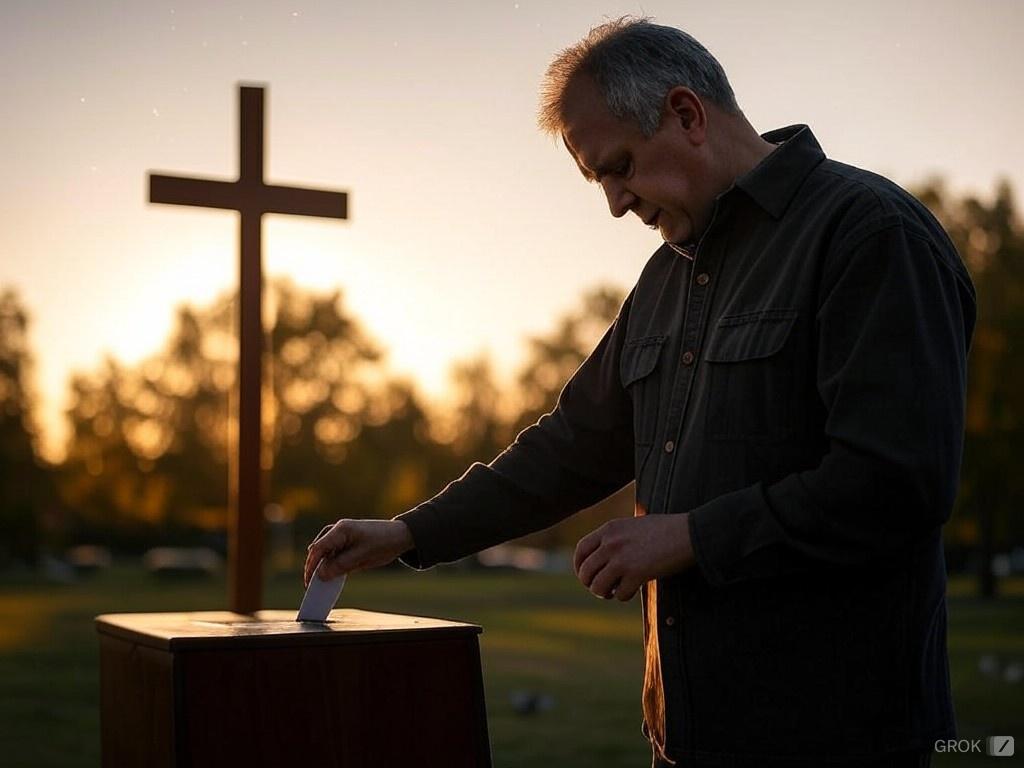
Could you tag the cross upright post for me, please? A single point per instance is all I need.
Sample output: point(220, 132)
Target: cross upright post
point(251, 197)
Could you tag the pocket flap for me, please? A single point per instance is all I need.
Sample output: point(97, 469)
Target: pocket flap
point(639, 358)
point(750, 336)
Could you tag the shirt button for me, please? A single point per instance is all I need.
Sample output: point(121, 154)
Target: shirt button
point(687, 358)
point(669, 446)
point(703, 278)
point(670, 621)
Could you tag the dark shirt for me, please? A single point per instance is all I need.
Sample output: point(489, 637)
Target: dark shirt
point(798, 388)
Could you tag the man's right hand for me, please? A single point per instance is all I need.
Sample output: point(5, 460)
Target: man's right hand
point(354, 545)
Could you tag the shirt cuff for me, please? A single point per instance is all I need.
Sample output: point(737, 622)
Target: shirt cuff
point(698, 545)
point(422, 522)
point(730, 538)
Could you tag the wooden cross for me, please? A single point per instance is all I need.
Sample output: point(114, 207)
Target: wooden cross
point(251, 197)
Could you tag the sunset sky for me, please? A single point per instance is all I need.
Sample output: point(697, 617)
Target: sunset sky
point(469, 230)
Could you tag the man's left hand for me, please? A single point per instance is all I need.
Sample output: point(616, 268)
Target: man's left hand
point(620, 556)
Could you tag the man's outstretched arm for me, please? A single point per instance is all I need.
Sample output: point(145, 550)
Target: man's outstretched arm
point(574, 456)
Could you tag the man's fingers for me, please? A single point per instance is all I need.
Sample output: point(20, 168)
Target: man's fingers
point(626, 589)
point(337, 564)
point(309, 569)
point(311, 561)
point(606, 560)
point(605, 583)
point(590, 567)
point(319, 567)
point(336, 539)
point(329, 568)
point(312, 556)
point(323, 532)
point(586, 547)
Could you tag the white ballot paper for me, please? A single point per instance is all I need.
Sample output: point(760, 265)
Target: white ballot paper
point(320, 596)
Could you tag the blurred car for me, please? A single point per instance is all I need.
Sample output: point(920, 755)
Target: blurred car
point(87, 559)
point(182, 562)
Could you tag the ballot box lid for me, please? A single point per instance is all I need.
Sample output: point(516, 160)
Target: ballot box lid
point(220, 629)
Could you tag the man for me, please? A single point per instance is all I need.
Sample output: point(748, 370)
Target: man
point(785, 383)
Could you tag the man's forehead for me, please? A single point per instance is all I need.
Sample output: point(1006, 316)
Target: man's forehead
point(595, 148)
point(567, 143)
point(589, 128)
point(587, 169)
point(583, 107)
point(584, 169)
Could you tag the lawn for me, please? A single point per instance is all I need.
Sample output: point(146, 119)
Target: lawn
point(542, 634)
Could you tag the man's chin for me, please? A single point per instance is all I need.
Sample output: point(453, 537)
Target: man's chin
point(680, 240)
point(677, 236)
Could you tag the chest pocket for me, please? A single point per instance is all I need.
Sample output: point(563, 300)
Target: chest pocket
point(750, 376)
point(638, 373)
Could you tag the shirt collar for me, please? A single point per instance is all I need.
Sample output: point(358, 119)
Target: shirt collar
point(773, 182)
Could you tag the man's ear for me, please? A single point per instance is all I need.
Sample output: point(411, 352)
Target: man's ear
point(685, 108)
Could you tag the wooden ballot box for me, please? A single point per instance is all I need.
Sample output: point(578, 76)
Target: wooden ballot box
point(218, 689)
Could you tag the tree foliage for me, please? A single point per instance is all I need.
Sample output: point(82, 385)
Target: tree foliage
point(554, 357)
point(25, 483)
point(149, 447)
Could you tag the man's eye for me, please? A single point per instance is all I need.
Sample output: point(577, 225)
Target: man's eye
point(622, 170)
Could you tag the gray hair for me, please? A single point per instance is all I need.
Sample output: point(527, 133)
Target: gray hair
point(634, 63)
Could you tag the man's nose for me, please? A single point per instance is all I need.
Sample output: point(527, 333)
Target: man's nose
point(620, 199)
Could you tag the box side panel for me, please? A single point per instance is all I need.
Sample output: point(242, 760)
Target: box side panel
point(477, 683)
point(136, 705)
point(347, 706)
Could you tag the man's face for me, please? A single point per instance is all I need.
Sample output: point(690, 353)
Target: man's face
point(662, 179)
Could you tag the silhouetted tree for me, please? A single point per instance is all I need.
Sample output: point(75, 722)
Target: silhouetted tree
point(25, 482)
point(328, 403)
point(478, 427)
point(554, 357)
point(149, 446)
point(102, 481)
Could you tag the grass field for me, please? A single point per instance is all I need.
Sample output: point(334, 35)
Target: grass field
point(542, 633)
